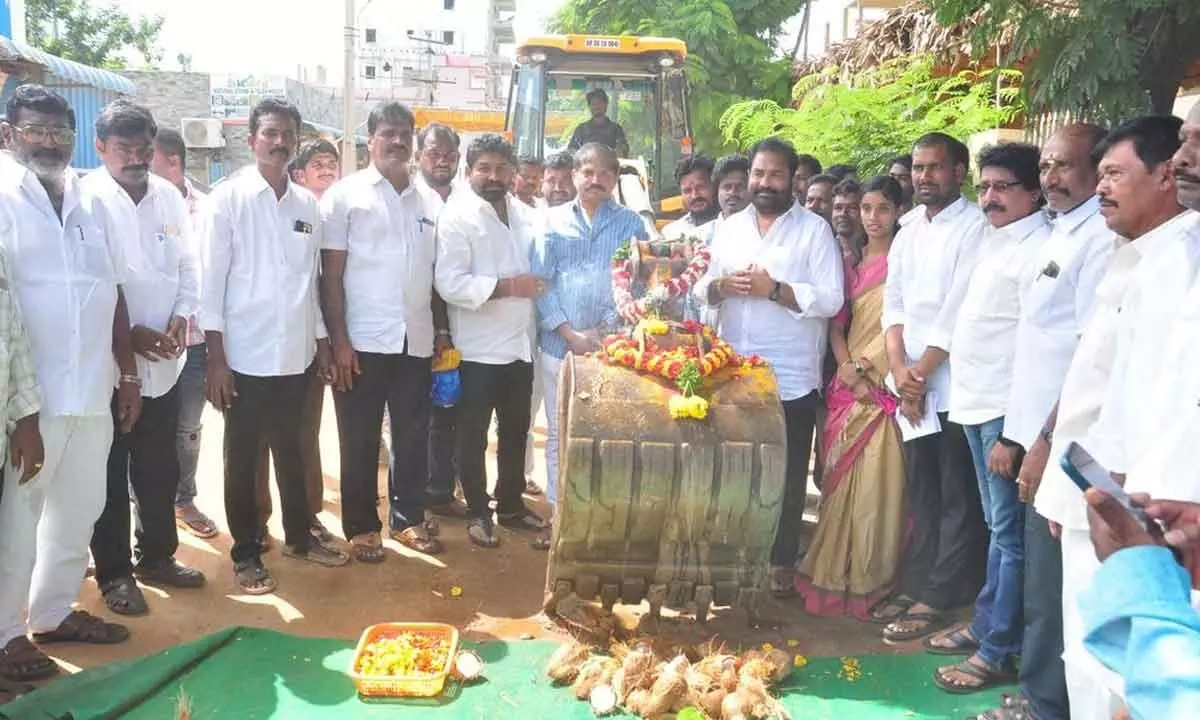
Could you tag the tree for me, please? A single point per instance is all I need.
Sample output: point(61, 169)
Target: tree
point(867, 118)
point(732, 47)
point(1105, 58)
point(99, 37)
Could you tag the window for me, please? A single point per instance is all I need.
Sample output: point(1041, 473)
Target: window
point(369, 72)
point(448, 4)
point(448, 37)
point(370, 35)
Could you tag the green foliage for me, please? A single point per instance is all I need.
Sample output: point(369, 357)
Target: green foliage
point(1104, 58)
point(99, 37)
point(868, 118)
point(732, 47)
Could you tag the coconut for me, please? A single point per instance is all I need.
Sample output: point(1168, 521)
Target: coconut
point(636, 672)
point(780, 662)
point(636, 702)
point(710, 702)
point(668, 689)
point(756, 669)
point(738, 705)
point(603, 699)
point(729, 677)
point(762, 704)
point(565, 662)
point(468, 665)
point(598, 670)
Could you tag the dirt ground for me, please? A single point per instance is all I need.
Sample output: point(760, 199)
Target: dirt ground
point(501, 589)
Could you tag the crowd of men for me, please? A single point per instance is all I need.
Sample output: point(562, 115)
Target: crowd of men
point(1060, 308)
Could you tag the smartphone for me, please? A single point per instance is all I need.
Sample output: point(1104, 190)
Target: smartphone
point(1086, 473)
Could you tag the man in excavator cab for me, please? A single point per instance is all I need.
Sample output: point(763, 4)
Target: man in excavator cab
point(599, 128)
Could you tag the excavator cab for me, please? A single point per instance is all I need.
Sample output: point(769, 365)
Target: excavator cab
point(646, 86)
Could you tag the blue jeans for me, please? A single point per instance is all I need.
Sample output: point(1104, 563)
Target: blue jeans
point(191, 408)
point(998, 609)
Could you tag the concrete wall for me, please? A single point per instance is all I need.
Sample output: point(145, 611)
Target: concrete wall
point(173, 96)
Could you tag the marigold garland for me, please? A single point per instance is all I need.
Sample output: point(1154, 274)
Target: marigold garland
point(632, 310)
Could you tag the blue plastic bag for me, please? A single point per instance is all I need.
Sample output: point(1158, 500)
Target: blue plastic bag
point(447, 388)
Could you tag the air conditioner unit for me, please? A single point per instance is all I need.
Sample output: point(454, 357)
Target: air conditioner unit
point(202, 132)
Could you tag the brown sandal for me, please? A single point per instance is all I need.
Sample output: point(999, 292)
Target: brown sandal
point(367, 548)
point(83, 627)
point(417, 538)
point(21, 661)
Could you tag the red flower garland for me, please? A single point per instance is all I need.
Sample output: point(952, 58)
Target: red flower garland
point(632, 310)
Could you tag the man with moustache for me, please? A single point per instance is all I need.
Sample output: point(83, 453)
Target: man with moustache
point(66, 269)
point(984, 342)
point(599, 128)
point(807, 168)
point(573, 256)
point(377, 286)
point(484, 245)
point(731, 176)
point(169, 163)
point(528, 181)
point(1187, 160)
point(846, 218)
point(1147, 417)
point(775, 279)
point(819, 198)
point(149, 217)
point(558, 185)
point(929, 267)
point(438, 157)
point(316, 167)
point(262, 320)
point(694, 175)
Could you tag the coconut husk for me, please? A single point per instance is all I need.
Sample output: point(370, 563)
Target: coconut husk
point(565, 663)
point(598, 670)
point(669, 688)
point(636, 672)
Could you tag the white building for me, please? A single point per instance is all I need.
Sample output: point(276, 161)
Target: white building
point(436, 53)
point(827, 22)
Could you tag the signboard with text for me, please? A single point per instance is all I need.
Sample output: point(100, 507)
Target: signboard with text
point(233, 96)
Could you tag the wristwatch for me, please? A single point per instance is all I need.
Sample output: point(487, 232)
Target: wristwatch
point(774, 295)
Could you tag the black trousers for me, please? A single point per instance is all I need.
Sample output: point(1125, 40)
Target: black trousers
point(799, 417)
point(505, 390)
point(443, 467)
point(401, 382)
point(945, 561)
point(145, 459)
point(270, 410)
point(310, 455)
point(1042, 675)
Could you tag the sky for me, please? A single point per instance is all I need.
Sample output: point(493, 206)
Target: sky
point(227, 36)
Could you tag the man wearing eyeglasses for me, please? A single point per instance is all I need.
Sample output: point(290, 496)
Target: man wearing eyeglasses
point(150, 219)
point(66, 270)
point(985, 339)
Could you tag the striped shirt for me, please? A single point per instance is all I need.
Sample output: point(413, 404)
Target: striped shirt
point(575, 258)
point(18, 379)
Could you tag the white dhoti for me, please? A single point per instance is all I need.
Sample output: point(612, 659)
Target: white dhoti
point(1095, 691)
point(548, 365)
point(46, 524)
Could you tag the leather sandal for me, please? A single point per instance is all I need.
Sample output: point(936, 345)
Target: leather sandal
point(124, 597)
point(481, 533)
point(958, 641)
point(983, 677)
point(417, 538)
point(83, 627)
point(367, 548)
point(171, 573)
point(253, 578)
point(22, 661)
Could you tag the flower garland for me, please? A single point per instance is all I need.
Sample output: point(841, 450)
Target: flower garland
point(632, 310)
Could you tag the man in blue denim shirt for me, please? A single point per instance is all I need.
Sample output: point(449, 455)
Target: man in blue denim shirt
point(1138, 617)
point(573, 252)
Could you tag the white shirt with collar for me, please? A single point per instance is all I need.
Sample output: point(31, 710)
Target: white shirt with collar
point(1084, 389)
point(1068, 267)
point(161, 274)
point(682, 227)
point(929, 267)
point(388, 239)
point(985, 333)
point(434, 202)
point(65, 274)
point(259, 283)
point(475, 250)
point(1153, 311)
point(799, 250)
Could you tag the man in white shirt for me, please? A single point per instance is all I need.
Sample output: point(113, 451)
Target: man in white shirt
point(984, 341)
point(149, 218)
point(776, 279)
point(731, 177)
point(929, 267)
point(558, 185)
point(377, 285)
point(1053, 313)
point(262, 322)
point(1147, 399)
point(694, 175)
point(438, 153)
point(66, 271)
point(170, 163)
point(484, 243)
point(527, 184)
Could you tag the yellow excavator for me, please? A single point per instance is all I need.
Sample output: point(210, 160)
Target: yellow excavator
point(647, 90)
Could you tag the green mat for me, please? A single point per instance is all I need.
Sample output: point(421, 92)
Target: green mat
point(253, 674)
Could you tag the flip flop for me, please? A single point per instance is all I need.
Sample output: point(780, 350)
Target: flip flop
point(253, 578)
point(83, 627)
point(481, 533)
point(523, 520)
point(933, 622)
point(988, 678)
point(961, 643)
point(417, 538)
point(367, 548)
point(900, 601)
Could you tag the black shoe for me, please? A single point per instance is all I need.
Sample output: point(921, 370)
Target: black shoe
point(170, 573)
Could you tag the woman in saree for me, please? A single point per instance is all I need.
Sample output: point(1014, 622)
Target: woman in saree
point(855, 553)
